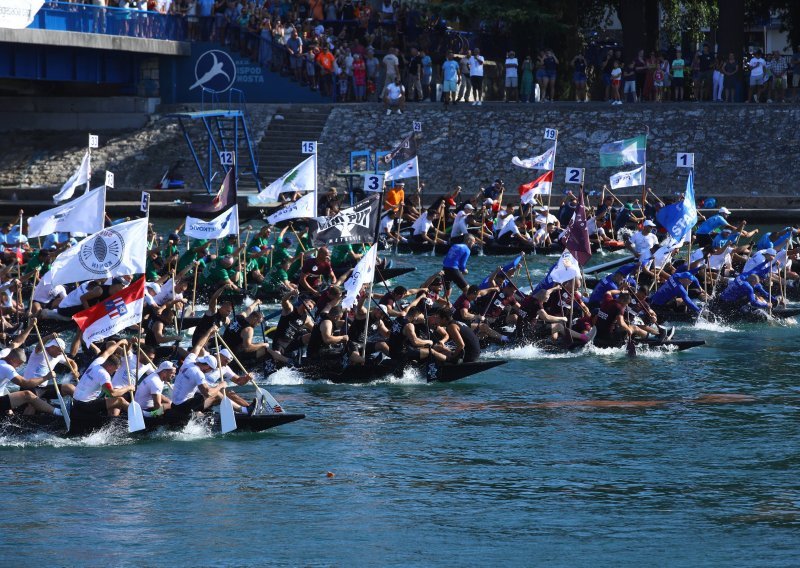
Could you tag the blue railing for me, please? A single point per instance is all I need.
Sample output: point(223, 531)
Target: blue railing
point(68, 17)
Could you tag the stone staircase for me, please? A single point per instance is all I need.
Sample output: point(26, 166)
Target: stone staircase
point(279, 149)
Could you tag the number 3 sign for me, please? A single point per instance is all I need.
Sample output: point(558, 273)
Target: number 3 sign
point(373, 182)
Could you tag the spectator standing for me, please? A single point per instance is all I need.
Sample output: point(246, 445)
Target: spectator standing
point(450, 74)
point(717, 80)
point(325, 60)
point(579, 77)
point(678, 66)
point(294, 46)
point(394, 95)
point(796, 73)
point(414, 88)
point(616, 79)
point(476, 63)
point(729, 70)
point(427, 75)
point(372, 65)
point(629, 79)
point(665, 67)
point(541, 76)
point(608, 67)
point(648, 92)
point(640, 67)
point(391, 66)
point(206, 10)
point(526, 83)
point(695, 77)
point(704, 81)
point(550, 69)
point(512, 77)
point(778, 69)
point(758, 69)
point(465, 88)
point(658, 80)
point(359, 78)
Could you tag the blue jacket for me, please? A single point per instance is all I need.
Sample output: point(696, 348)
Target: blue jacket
point(739, 288)
point(672, 288)
point(457, 257)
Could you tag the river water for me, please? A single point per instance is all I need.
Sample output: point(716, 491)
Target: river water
point(669, 459)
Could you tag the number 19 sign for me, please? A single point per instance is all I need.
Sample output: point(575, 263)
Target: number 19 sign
point(685, 160)
point(550, 134)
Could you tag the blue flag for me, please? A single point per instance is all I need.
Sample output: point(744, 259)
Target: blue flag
point(507, 268)
point(679, 218)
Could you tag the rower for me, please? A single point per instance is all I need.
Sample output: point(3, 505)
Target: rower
point(761, 263)
point(83, 297)
point(642, 242)
point(127, 372)
point(510, 235)
point(323, 343)
point(373, 337)
point(404, 342)
point(94, 394)
point(221, 272)
point(535, 323)
point(674, 295)
point(294, 324)
point(191, 392)
point(387, 228)
point(37, 367)
point(239, 336)
point(741, 294)
point(277, 280)
point(612, 329)
point(461, 226)
point(454, 265)
point(214, 316)
point(313, 270)
point(8, 375)
point(213, 377)
point(705, 232)
point(423, 226)
point(150, 392)
point(467, 345)
point(391, 301)
point(477, 323)
point(613, 283)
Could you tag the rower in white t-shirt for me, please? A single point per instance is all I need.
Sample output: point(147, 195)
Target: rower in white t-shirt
point(8, 375)
point(94, 394)
point(150, 391)
point(37, 368)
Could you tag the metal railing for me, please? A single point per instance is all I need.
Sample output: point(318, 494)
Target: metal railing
point(131, 22)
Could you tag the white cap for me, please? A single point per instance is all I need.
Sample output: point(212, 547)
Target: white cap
point(225, 353)
point(489, 202)
point(383, 308)
point(154, 286)
point(649, 223)
point(57, 341)
point(165, 366)
point(208, 360)
point(724, 211)
point(469, 207)
point(770, 251)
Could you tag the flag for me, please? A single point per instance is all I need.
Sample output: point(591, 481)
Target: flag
point(302, 208)
point(219, 227)
point(509, 226)
point(546, 161)
point(18, 14)
point(303, 177)
point(225, 197)
point(405, 170)
point(404, 151)
point(630, 151)
point(507, 268)
point(679, 218)
point(631, 178)
point(356, 224)
point(85, 214)
point(116, 251)
point(80, 177)
point(112, 315)
point(363, 273)
point(540, 186)
point(577, 234)
point(567, 268)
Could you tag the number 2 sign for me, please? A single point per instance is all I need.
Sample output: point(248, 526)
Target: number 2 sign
point(574, 175)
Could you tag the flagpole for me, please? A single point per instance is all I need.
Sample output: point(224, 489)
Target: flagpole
point(372, 282)
point(555, 151)
point(644, 170)
point(316, 188)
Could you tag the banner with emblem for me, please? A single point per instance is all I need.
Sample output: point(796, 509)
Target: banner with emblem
point(85, 214)
point(112, 315)
point(303, 177)
point(349, 226)
point(544, 161)
point(218, 228)
point(567, 268)
point(303, 208)
point(632, 178)
point(120, 250)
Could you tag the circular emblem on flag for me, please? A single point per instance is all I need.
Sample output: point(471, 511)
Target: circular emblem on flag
point(102, 253)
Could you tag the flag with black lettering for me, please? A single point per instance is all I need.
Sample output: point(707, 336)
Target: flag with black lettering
point(356, 224)
point(404, 151)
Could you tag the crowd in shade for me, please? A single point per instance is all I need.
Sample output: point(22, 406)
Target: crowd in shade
point(357, 51)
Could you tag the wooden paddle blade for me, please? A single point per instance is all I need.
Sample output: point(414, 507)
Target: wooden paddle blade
point(65, 413)
point(631, 347)
point(135, 417)
point(227, 417)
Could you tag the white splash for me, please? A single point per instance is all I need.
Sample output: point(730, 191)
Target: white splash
point(287, 376)
point(715, 326)
point(531, 352)
point(410, 376)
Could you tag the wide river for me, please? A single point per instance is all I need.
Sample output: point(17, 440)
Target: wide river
point(593, 459)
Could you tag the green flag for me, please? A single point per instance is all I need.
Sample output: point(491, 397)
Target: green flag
point(628, 152)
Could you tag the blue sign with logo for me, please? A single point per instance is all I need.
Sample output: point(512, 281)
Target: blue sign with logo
point(212, 66)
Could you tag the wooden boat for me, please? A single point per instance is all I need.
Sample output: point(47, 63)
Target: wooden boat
point(82, 425)
point(359, 374)
point(728, 316)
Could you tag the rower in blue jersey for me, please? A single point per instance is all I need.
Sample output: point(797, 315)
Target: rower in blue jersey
point(775, 240)
point(674, 293)
point(741, 291)
point(613, 283)
point(706, 231)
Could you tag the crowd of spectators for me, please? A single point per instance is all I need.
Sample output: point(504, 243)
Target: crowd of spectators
point(353, 51)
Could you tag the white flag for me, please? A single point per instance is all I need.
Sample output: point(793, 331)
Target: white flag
point(227, 223)
point(302, 208)
point(546, 161)
point(662, 256)
point(405, 170)
point(302, 177)
point(628, 179)
point(86, 214)
point(81, 176)
point(567, 268)
point(363, 273)
point(120, 250)
point(18, 14)
point(509, 226)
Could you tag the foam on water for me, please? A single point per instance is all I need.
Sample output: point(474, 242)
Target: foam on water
point(111, 435)
point(287, 376)
point(410, 376)
point(530, 352)
point(194, 430)
point(715, 326)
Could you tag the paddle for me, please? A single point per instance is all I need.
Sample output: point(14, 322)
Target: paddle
point(61, 403)
point(227, 418)
point(262, 396)
point(135, 416)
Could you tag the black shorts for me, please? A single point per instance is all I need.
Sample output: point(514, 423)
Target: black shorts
point(197, 402)
point(69, 312)
point(451, 275)
point(703, 240)
point(5, 404)
point(677, 82)
point(477, 82)
point(90, 408)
